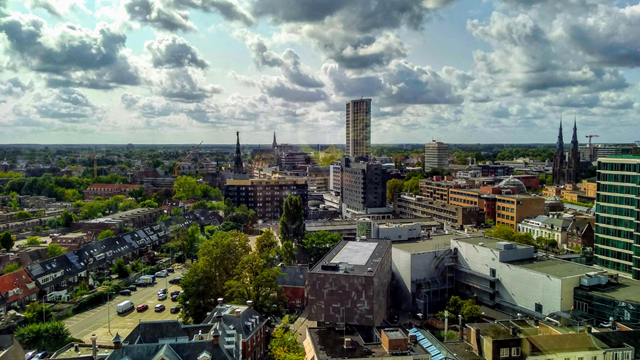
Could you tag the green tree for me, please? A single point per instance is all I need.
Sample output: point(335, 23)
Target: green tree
point(6, 240)
point(292, 227)
point(104, 234)
point(22, 215)
point(67, 218)
point(54, 250)
point(176, 212)
point(319, 243)
point(412, 186)
point(228, 226)
point(524, 238)
point(185, 188)
point(198, 205)
point(267, 247)
point(13, 267)
point(72, 195)
point(138, 194)
point(49, 336)
point(489, 222)
point(53, 223)
point(121, 269)
point(149, 204)
point(414, 175)
point(218, 258)
point(92, 210)
point(501, 231)
point(289, 252)
point(394, 186)
point(255, 281)
point(284, 345)
point(33, 241)
point(127, 205)
point(192, 240)
point(164, 217)
point(209, 193)
point(35, 312)
point(549, 180)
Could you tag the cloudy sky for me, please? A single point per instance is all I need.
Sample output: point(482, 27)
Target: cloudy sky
point(183, 71)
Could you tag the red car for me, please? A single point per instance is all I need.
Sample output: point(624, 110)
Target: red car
point(142, 307)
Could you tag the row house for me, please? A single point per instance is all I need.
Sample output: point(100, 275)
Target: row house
point(107, 191)
point(17, 289)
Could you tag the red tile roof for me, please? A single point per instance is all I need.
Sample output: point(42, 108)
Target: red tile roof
point(19, 279)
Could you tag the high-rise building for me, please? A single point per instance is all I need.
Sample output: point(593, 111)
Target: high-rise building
point(436, 155)
point(358, 116)
point(364, 187)
point(566, 171)
point(617, 237)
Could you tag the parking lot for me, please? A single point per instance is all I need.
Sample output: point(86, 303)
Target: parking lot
point(95, 321)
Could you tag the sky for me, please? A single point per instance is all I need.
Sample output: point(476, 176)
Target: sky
point(185, 71)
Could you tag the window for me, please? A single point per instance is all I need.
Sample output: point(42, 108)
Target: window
point(515, 351)
point(594, 358)
point(580, 358)
point(504, 352)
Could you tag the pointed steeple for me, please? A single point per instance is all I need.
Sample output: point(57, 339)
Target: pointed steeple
point(275, 143)
point(574, 139)
point(237, 166)
point(560, 142)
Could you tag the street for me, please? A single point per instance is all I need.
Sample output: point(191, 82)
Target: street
point(95, 321)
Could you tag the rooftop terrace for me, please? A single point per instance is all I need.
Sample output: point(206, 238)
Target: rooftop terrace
point(437, 242)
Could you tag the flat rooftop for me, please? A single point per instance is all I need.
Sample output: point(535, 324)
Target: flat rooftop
point(493, 331)
point(353, 258)
point(437, 242)
point(554, 267)
point(625, 290)
point(488, 242)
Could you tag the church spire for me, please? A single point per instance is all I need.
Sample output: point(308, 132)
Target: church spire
point(237, 166)
point(574, 139)
point(275, 143)
point(560, 142)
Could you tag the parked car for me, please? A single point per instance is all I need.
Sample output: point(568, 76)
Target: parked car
point(174, 297)
point(125, 292)
point(170, 269)
point(31, 354)
point(175, 309)
point(40, 355)
point(132, 288)
point(176, 281)
point(142, 307)
point(159, 308)
point(175, 292)
point(162, 291)
point(162, 273)
point(162, 296)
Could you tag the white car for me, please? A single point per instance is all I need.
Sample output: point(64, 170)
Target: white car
point(162, 273)
point(162, 296)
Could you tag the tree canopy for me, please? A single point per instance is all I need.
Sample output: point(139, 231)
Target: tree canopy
point(394, 186)
point(185, 188)
point(49, 336)
point(218, 259)
point(292, 226)
point(319, 243)
point(104, 234)
point(54, 250)
point(6, 240)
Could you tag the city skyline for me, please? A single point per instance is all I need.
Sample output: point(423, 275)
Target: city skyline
point(173, 72)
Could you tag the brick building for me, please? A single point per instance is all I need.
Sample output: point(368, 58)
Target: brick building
point(512, 209)
point(18, 288)
point(265, 196)
point(412, 206)
point(107, 191)
point(293, 282)
point(351, 267)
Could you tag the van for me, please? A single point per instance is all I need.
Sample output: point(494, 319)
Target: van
point(124, 307)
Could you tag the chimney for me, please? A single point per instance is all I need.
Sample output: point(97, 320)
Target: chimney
point(220, 301)
point(94, 346)
point(587, 329)
point(249, 303)
point(218, 316)
point(117, 341)
point(238, 312)
point(216, 336)
point(512, 331)
point(347, 343)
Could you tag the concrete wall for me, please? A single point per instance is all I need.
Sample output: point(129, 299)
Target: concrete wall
point(537, 287)
point(14, 352)
point(402, 264)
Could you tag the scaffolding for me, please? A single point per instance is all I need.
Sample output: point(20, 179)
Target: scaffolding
point(433, 293)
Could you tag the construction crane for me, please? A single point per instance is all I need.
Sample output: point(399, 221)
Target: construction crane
point(95, 161)
point(185, 158)
point(591, 136)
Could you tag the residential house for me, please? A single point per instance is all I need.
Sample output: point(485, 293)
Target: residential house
point(18, 288)
point(293, 282)
point(545, 226)
point(580, 233)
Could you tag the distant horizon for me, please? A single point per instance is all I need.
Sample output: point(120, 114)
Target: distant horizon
point(204, 144)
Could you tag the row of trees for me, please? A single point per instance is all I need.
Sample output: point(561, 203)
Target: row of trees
point(411, 183)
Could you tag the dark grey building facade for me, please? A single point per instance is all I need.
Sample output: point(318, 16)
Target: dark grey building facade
point(351, 284)
point(364, 185)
